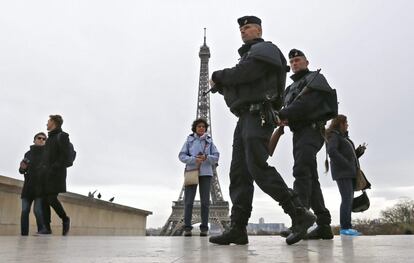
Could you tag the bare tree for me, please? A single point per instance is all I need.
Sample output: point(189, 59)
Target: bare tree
point(402, 212)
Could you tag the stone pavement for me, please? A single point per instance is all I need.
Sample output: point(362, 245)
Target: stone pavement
point(104, 249)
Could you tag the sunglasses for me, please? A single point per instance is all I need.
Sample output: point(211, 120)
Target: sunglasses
point(41, 138)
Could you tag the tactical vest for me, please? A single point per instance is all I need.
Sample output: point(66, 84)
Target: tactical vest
point(270, 87)
point(317, 82)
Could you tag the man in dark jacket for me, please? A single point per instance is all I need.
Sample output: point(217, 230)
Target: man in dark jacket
point(32, 186)
point(303, 111)
point(56, 154)
point(249, 89)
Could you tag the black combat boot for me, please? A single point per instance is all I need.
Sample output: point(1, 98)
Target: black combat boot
point(301, 217)
point(237, 234)
point(303, 220)
point(286, 233)
point(320, 232)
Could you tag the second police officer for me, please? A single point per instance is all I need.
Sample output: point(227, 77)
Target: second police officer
point(259, 76)
point(305, 110)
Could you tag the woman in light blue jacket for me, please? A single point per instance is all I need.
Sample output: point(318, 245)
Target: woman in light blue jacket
point(198, 151)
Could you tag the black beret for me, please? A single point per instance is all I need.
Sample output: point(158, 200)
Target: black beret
point(249, 20)
point(296, 53)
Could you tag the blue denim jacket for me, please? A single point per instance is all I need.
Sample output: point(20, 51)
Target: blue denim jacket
point(193, 146)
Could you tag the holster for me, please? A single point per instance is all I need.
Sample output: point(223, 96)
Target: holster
point(264, 110)
point(269, 114)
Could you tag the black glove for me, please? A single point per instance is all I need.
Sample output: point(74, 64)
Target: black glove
point(216, 88)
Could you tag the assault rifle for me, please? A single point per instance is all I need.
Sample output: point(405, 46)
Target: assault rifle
point(280, 131)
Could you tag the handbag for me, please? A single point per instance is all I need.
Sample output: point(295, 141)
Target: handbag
point(191, 177)
point(361, 182)
point(360, 203)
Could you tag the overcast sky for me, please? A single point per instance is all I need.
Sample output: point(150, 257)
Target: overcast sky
point(124, 76)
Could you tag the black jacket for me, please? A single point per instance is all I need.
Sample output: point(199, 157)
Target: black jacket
point(33, 179)
point(260, 74)
point(56, 151)
point(344, 158)
point(306, 109)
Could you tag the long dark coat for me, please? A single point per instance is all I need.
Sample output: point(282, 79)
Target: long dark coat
point(56, 151)
point(33, 179)
point(344, 158)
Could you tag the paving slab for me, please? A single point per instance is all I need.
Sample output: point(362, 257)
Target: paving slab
point(74, 249)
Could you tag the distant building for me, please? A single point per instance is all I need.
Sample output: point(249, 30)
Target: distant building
point(153, 231)
point(263, 228)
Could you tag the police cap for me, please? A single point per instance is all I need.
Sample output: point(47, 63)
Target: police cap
point(296, 53)
point(249, 20)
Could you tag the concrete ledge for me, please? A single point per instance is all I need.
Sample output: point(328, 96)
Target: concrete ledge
point(89, 216)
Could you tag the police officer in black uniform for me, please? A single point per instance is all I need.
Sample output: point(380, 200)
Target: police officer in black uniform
point(304, 110)
point(249, 89)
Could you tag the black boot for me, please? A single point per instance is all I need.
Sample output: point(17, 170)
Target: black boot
point(65, 226)
point(286, 233)
point(301, 217)
point(237, 234)
point(303, 220)
point(320, 232)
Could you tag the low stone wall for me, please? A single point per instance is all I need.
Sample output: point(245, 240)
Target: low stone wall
point(88, 216)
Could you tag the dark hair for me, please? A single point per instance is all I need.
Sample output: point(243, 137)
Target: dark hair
point(39, 133)
point(198, 121)
point(57, 119)
point(335, 124)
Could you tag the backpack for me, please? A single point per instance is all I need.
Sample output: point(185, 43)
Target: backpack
point(70, 155)
point(330, 106)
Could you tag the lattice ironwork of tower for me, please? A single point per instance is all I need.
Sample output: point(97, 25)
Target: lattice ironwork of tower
point(219, 209)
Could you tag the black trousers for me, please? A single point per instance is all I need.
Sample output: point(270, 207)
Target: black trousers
point(51, 200)
point(307, 142)
point(249, 163)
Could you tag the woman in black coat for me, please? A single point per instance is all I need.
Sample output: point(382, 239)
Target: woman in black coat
point(344, 166)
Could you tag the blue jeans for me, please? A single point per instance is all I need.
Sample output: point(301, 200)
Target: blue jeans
point(346, 189)
point(189, 195)
point(24, 219)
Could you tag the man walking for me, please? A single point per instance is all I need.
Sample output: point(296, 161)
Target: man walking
point(54, 165)
point(304, 110)
point(32, 187)
point(249, 89)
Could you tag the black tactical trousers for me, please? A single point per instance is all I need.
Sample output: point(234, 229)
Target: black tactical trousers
point(51, 200)
point(249, 163)
point(306, 144)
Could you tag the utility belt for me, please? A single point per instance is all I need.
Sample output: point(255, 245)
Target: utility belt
point(316, 125)
point(263, 109)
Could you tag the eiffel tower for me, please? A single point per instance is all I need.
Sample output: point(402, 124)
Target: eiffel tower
point(219, 209)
